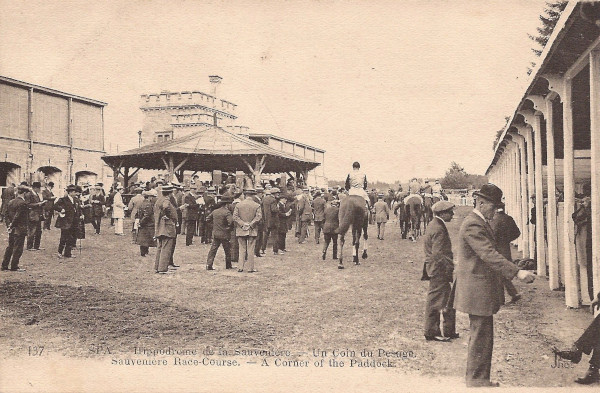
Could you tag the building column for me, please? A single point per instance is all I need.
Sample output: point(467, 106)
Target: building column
point(524, 195)
point(539, 196)
point(553, 267)
point(571, 268)
point(595, 163)
point(526, 132)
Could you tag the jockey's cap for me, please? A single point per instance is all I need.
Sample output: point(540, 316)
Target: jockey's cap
point(441, 206)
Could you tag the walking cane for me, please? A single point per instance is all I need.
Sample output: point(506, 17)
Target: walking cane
point(79, 248)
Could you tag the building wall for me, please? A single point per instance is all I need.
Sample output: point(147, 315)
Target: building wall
point(48, 155)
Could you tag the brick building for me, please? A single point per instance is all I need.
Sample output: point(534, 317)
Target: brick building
point(48, 135)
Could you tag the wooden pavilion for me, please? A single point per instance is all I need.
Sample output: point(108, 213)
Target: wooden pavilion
point(208, 150)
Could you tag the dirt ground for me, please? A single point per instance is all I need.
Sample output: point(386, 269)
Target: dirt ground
point(110, 300)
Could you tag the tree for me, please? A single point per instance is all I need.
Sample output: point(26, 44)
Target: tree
point(500, 131)
point(457, 178)
point(549, 18)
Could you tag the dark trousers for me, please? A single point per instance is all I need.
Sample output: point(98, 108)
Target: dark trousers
point(34, 234)
point(265, 239)
point(329, 237)
point(318, 229)
point(259, 241)
point(205, 232)
point(48, 219)
point(66, 242)
point(437, 297)
point(214, 247)
point(179, 221)
point(144, 250)
point(481, 344)
point(281, 240)
point(13, 251)
point(190, 230)
point(235, 247)
point(96, 221)
point(589, 342)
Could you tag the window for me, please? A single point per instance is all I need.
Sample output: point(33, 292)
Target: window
point(163, 136)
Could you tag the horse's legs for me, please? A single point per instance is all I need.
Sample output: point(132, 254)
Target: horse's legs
point(355, 241)
point(366, 239)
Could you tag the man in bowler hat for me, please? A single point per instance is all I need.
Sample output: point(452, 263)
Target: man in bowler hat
point(479, 289)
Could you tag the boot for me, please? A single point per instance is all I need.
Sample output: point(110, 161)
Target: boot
point(590, 377)
point(574, 354)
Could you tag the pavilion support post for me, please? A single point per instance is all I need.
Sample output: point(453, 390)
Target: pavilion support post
point(571, 268)
point(539, 196)
point(126, 177)
point(527, 172)
point(595, 163)
point(553, 266)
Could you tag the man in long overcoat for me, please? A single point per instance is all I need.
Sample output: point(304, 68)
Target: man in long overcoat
point(319, 211)
point(479, 288)
point(16, 223)
point(69, 214)
point(438, 269)
point(246, 215)
point(165, 230)
point(505, 231)
point(35, 204)
point(382, 215)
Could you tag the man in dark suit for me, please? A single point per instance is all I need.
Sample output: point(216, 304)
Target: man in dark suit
point(193, 213)
point(305, 212)
point(222, 221)
point(438, 269)
point(49, 205)
point(69, 214)
point(8, 194)
point(505, 231)
point(479, 290)
point(165, 224)
point(35, 204)
point(270, 214)
point(16, 223)
point(246, 215)
point(261, 224)
point(331, 223)
point(319, 210)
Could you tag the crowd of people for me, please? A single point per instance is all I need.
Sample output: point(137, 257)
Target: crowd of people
point(243, 221)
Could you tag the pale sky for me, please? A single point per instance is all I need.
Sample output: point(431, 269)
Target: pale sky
point(404, 87)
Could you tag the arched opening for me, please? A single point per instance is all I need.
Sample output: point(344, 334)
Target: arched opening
point(47, 174)
point(82, 177)
point(9, 173)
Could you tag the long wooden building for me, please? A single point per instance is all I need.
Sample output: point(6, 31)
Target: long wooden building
point(48, 135)
point(549, 155)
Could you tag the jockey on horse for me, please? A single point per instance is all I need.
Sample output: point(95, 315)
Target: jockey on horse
point(356, 183)
point(354, 213)
point(414, 203)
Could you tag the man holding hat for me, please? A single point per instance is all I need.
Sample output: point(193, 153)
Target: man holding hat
point(16, 224)
point(133, 206)
point(479, 290)
point(438, 269)
point(69, 214)
point(222, 221)
point(246, 215)
point(35, 204)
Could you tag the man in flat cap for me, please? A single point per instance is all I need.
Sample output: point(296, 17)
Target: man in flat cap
point(16, 224)
point(479, 289)
point(319, 212)
point(382, 215)
point(438, 269)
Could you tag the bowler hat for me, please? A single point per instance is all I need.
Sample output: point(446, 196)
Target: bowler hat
point(22, 189)
point(36, 184)
point(441, 206)
point(71, 187)
point(490, 192)
point(167, 187)
point(249, 191)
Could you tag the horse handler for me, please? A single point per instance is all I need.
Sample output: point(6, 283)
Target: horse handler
point(438, 269)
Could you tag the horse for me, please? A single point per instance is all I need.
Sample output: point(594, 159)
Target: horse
point(427, 212)
point(414, 211)
point(353, 212)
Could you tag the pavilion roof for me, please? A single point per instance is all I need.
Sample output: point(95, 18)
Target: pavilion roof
point(211, 149)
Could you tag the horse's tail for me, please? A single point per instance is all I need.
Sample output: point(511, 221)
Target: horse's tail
point(345, 216)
